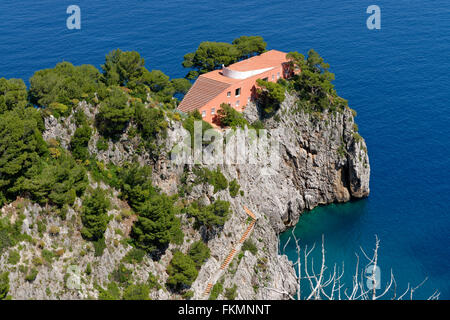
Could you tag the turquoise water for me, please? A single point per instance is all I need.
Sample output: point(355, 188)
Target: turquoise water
point(397, 79)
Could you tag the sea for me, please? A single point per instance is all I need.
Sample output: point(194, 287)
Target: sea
point(397, 78)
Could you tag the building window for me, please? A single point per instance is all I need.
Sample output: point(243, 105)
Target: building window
point(229, 94)
point(265, 79)
point(213, 111)
point(278, 75)
point(203, 114)
point(238, 92)
point(273, 77)
point(237, 103)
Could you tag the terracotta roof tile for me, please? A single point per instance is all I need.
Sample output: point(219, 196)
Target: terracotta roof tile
point(203, 90)
point(267, 59)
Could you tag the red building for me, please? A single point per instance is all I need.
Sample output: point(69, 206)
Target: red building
point(234, 84)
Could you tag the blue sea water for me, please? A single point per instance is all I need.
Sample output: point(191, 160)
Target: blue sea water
point(397, 78)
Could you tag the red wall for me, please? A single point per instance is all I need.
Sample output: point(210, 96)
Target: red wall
point(247, 88)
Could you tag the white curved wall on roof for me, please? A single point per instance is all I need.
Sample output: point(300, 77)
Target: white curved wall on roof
point(233, 74)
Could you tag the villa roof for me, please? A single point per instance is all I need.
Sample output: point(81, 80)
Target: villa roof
point(203, 90)
point(211, 84)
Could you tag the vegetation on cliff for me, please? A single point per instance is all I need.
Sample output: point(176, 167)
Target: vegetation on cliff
point(212, 55)
point(76, 183)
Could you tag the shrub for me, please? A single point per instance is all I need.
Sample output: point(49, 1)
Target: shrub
point(189, 125)
point(188, 295)
point(227, 116)
point(248, 245)
point(114, 113)
point(4, 285)
point(99, 247)
point(134, 256)
point(111, 293)
point(88, 269)
point(153, 282)
point(213, 215)
point(234, 188)
point(122, 275)
point(199, 253)
point(216, 290)
point(54, 230)
point(182, 272)
point(231, 293)
point(214, 178)
point(31, 276)
point(14, 257)
point(102, 144)
point(270, 95)
point(58, 109)
point(48, 256)
point(136, 292)
point(79, 142)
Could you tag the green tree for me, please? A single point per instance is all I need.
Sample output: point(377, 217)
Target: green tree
point(212, 55)
point(95, 215)
point(270, 95)
point(151, 124)
point(136, 184)
point(64, 83)
point(181, 85)
point(234, 188)
point(182, 272)
point(57, 181)
point(314, 82)
point(152, 231)
point(21, 146)
point(13, 93)
point(114, 113)
point(227, 116)
point(122, 67)
point(249, 46)
point(4, 285)
point(213, 215)
point(79, 142)
point(199, 253)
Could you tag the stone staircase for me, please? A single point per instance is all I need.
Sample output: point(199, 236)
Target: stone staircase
point(233, 251)
point(244, 236)
point(251, 214)
point(208, 288)
point(228, 259)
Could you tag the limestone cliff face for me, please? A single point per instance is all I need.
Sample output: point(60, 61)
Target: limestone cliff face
point(322, 160)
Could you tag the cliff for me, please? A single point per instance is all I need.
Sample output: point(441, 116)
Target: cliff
point(322, 160)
